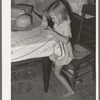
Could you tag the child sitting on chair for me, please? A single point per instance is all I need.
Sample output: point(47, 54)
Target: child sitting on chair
point(58, 13)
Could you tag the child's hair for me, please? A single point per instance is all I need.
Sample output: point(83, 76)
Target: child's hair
point(58, 8)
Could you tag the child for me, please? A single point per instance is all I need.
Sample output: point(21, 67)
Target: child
point(58, 13)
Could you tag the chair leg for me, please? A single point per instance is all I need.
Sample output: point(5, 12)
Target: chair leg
point(73, 83)
point(78, 38)
point(74, 76)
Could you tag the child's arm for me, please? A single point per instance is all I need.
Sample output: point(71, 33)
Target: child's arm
point(64, 39)
point(44, 23)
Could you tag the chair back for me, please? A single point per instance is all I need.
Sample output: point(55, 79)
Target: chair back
point(89, 9)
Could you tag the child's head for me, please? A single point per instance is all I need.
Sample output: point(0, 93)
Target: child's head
point(58, 12)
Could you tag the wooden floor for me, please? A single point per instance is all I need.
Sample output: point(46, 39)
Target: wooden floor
point(27, 84)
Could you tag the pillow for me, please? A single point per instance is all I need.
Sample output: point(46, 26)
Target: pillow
point(23, 20)
point(36, 21)
point(19, 9)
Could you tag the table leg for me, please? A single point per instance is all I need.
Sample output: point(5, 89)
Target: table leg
point(47, 66)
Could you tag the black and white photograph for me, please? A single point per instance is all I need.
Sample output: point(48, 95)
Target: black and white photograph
point(53, 50)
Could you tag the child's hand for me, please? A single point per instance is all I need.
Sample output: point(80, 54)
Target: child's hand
point(42, 28)
point(44, 32)
point(47, 31)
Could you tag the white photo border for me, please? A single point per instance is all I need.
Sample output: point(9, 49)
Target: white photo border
point(6, 50)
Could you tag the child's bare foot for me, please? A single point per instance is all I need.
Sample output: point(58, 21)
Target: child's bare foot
point(69, 93)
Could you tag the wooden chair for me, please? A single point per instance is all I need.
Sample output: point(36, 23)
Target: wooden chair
point(76, 66)
point(87, 24)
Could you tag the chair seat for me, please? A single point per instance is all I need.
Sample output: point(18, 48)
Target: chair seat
point(82, 54)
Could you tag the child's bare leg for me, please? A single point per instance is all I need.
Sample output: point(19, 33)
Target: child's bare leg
point(59, 76)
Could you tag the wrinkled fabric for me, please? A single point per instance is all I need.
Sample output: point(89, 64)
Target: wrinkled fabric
point(66, 49)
